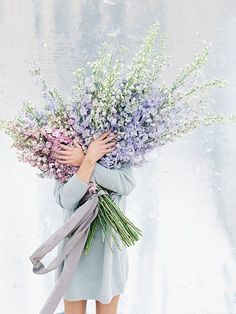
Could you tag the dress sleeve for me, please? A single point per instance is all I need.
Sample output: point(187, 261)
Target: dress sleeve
point(119, 180)
point(68, 194)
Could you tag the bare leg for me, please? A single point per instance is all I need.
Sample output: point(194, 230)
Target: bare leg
point(75, 307)
point(110, 308)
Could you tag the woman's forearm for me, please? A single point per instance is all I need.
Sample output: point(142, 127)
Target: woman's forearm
point(96, 150)
point(86, 168)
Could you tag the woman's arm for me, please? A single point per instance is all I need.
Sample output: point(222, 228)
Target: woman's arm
point(68, 194)
point(119, 180)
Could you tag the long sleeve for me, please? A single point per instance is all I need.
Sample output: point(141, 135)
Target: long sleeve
point(68, 194)
point(119, 180)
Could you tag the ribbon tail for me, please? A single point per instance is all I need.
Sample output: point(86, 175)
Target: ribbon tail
point(81, 215)
point(67, 272)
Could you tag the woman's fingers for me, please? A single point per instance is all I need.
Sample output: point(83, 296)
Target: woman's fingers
point(60, 156)
point(110, 149)
point(77, 144)
point(109, 138)
point(108, 145)
point(104, 135)
point(62, 161)
point(66, 147)
point(63, 153)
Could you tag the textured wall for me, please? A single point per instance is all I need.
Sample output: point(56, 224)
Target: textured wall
point(185, 262)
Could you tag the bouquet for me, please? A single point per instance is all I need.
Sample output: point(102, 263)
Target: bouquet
point(135, 104)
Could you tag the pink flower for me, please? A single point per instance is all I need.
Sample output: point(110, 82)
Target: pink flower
point(56, 132)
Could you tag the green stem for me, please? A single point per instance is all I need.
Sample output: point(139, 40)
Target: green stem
point(104, 217)
point(104, 229)
point(91, 234)
point(121, 214)
point(116, 223)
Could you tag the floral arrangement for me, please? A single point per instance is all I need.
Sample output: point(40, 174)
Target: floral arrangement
point(144, 112)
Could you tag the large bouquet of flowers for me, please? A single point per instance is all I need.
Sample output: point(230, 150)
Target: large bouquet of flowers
point(137, 106)
point(143, 111)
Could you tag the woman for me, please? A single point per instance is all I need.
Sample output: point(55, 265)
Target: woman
point(101, 275)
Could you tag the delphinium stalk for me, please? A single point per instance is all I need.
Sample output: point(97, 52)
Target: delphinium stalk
point(78, 87)
point(182, 104)
point(105, 74)
point(53, 100)
point(189, 83)
point(190, 79)
point(146, 66)
point(190, 69)
point(141, 59)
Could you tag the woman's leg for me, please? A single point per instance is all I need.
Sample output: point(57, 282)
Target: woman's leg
point(110, 308)
point(75, 307)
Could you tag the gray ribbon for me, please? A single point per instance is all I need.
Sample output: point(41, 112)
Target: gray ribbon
point(80, 219)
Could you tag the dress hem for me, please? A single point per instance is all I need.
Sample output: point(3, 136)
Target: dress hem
point(94, 297)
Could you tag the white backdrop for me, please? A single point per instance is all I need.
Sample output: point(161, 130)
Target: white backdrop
point(185, 262)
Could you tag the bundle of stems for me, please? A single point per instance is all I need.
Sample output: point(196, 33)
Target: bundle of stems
point(112, 218)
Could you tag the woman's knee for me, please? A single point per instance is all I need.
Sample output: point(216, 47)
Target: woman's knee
point(110, 308)
point(75, 307)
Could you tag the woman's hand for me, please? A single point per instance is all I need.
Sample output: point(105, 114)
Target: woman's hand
point(100, 147)
point(70, 155)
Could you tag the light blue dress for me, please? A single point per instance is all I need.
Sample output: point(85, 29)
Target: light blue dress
point(101, 274)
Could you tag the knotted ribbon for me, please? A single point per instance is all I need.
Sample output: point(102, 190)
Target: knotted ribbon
point(80, 219)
